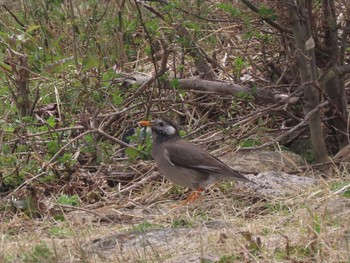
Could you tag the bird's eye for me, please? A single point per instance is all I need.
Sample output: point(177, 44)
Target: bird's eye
point(161, 124)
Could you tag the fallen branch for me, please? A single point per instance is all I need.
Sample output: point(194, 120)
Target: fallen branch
point(261, 96)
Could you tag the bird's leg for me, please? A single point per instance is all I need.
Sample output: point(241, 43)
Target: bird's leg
point(193, 196)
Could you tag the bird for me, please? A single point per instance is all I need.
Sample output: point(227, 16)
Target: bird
point(184, 163)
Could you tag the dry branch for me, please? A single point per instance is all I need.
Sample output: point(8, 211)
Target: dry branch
point(261, 96)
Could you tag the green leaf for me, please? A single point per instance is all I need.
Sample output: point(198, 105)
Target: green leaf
point(51, 121)
point(32, 28)
point(117, 98)
point(132, 153)
point(268, 13)
point(175, 83)
point(53, 147)
point(67, 159)
point(5, 67)
point(59, 65)
point(8, 128)
point(72, 200)
point(229, 8)
point(182, 133)
point(109, 75)
point(89, 138)
point(250, 142)
point(92, 62)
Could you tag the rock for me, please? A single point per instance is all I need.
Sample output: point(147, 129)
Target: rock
point(173, 244)
point(339, 207)
point(279, 183)
point(260, 161)
point(271, 168)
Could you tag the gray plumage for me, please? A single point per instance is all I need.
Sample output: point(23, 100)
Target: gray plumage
point(184, 163)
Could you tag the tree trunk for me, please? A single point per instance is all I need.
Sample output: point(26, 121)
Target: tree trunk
point(334, 87)
point(23, 101)
point(300, 23)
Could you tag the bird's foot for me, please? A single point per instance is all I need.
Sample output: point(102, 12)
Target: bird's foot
point(193, 196)
point(190, 199)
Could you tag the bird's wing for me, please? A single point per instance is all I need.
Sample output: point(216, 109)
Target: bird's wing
point(186, 154)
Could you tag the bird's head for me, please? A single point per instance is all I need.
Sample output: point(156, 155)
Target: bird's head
point(161, 127)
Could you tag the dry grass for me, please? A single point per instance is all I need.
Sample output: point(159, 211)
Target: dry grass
point(225, 225)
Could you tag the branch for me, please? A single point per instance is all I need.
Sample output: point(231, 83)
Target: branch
point(110, 137)
point(342, 70)
point(302, 123)
point(14, 17)
point(267, 20)
point(261, 96)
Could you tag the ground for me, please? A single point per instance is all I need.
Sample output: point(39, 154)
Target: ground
point(229, 223)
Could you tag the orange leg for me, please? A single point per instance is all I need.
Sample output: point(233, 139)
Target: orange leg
point(193, 196)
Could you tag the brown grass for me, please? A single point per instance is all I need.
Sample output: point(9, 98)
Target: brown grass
point(227, 225)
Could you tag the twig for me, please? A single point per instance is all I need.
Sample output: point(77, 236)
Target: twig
point(154, 175)
point(110, 137)
point(106, 135)
point(14, 17)
point(302, 123)
point(25, 183)
point(342, 190)
point(267, 20)
point(65, 146)
point(85, 210)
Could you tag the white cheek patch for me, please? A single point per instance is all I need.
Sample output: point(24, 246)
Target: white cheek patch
point(169, 130)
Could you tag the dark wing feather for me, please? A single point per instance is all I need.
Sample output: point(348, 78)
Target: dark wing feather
point(186, 154)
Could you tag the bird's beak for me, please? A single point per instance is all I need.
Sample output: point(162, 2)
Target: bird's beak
point(145, 123)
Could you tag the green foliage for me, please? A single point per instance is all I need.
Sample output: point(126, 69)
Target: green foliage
point(72, 200)
point(143, 143)
point(182, 133)
point(226, 187)
point(60, 231)
point(53, 147)
point(12, 181)
point(132, 153)
point(176, 190)
point(239, 64)
point(244, 96)
point(182, 222)
point(51, 121)
point(202, 216)
point(175, 83)
point(59, 217)
point(341, 185)
point(250, 142)
point(67, 159)
point(152, 26)
point(163, 77)
point(266, 231)
point(292, 251)
point(229, 8)
point(117, 98)
point(309, 155)
point(277, 208)
point(269, 13)
point(49, 177)
point(145, 225)
point(40, 253)
point(230, 259)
